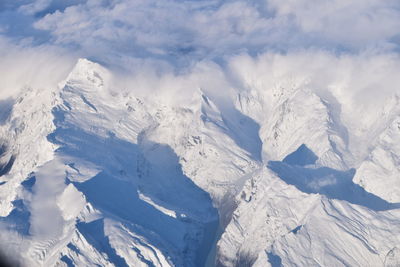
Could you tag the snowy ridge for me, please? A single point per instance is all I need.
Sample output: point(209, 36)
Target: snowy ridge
point(290, 221)
point(379, 172)
point(265, 177)
point(25, 122)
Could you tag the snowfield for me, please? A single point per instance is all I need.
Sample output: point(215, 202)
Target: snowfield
point(275, 174)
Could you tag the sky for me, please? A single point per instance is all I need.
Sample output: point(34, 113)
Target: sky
point(41, 40)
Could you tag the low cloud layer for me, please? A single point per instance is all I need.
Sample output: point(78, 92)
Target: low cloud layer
point(174, 29)
point(157, 38)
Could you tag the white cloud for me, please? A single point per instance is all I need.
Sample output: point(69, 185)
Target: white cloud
point(35, 6)
point(350, 24)
point(188, 31)
point(210, 29)
point(25, 66)
point(346, 46)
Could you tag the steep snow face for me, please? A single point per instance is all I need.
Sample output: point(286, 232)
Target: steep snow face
point(295, 118)
point(113, 172)
point(380, 172)
point(93, 175)
point(305, 207)
point(111, 200)
point(209, 154)
point(302, 119)
point(306, 216)
point(378, 167)
point(129, 186)
point(23, 129)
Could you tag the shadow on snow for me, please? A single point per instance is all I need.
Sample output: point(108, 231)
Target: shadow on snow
point(297, 169)
point(127, 169)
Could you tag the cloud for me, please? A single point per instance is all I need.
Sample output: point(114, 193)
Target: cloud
point(36, 6)
point(211, 29)
point(167, 29)
point(23, 65)
point(183, 32)
point(328, 44)
point(348, 24)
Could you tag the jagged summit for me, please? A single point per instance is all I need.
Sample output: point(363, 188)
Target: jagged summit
point(87, 74)
point(265, 179)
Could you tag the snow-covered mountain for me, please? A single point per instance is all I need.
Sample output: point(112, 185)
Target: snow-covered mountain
point(266, 176)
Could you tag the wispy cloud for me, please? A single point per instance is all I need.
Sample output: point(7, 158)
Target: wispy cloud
point(23, 65)
point(148, 35)
point(143, 28)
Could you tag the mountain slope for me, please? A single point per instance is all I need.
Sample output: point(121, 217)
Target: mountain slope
point(94, 175)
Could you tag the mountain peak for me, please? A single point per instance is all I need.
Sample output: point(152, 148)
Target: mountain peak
point(88, 74)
